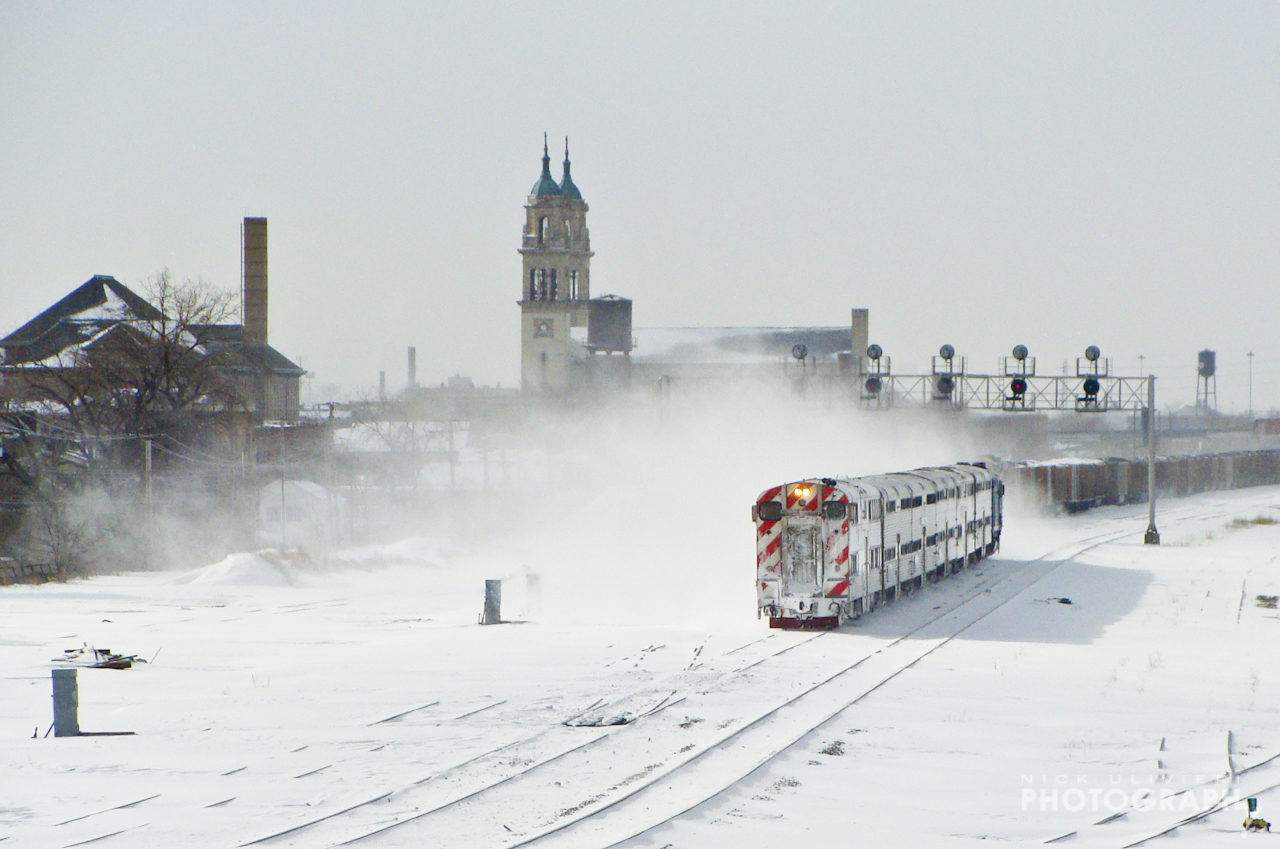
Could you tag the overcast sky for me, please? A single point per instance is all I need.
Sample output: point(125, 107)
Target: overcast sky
point(1056, 174)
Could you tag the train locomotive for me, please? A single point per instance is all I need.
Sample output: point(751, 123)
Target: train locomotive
point(832, 549)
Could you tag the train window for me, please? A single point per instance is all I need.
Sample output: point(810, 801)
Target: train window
point(890, 506)
point(931, 498)
point(890, 554)
point(873, 510)
point(835, 510)
point(770, 511)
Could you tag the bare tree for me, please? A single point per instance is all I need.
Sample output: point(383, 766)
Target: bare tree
point(149, 368)
point(151, 363)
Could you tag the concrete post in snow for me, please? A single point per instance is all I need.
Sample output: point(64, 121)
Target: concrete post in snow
point(492, 603)
point(66, 703)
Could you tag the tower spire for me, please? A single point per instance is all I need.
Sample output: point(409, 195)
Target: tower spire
point(546, 184)
point(567, 187)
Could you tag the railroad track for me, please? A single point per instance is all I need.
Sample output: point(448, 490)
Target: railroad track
point(547, 787)
point(657, 784)
point(649, 785)
point(462, 781)
point(1163, 815)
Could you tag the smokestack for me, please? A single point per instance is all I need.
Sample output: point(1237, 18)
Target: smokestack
point(860, 335)
point(413, 367)
point(253, 274)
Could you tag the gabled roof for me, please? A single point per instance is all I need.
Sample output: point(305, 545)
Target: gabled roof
point(103, 304)
point(86, 313)
point(226, 342)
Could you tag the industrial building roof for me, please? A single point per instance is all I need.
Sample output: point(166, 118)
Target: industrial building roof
point(736, 345)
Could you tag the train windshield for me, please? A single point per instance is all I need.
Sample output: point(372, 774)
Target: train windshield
point(800, 558)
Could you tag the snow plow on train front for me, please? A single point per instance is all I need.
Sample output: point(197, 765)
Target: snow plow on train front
point(829, 550)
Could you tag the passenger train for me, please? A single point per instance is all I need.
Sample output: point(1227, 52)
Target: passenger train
point(831, 549)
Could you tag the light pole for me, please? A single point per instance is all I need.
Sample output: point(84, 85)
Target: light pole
point(1142, 366)
point(1251, 384)
point(1152, 536)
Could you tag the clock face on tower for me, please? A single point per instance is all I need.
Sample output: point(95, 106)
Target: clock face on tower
point(543, 327)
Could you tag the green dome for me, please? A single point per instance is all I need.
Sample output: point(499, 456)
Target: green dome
point(567, 187)
point(546, 185)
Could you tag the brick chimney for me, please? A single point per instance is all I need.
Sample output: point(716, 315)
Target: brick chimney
point(253, 276)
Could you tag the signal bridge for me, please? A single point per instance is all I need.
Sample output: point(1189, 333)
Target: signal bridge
point(1092, 389)
point(1019, 389)
point(994, 392)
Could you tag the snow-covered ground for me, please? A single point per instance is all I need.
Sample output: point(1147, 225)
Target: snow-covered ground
point(293, 703)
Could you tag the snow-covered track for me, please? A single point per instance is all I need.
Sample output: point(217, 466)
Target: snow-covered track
point(751, 747)
point(372, 815)
point(550, 787)
point(658, 778)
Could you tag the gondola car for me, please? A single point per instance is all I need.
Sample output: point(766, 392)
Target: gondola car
point(832, 549)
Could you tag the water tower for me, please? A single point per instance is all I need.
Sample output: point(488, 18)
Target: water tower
point(1206, 380)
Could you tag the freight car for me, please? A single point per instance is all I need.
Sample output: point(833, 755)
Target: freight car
point(1070, 486)
point(831, 549)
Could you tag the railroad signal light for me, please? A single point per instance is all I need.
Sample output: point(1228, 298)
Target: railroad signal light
point(874, 351)
point(1091, 387)
point(873, 385)
point(945, 385)
point(1020, 353)
point(1018, 386)
point(1092, 353)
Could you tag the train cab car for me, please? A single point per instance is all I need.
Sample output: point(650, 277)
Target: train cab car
point(829, 549)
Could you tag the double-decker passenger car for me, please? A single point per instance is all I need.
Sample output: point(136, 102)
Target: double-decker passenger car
point(830, 549)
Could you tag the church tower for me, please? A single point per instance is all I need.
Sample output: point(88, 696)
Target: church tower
point(556, 281)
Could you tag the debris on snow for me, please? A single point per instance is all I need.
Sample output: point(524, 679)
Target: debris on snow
point(92, 658)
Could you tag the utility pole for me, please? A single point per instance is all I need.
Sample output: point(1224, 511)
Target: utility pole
point(1251, 384)
point(146, 475)
point(146, 485)
point(283, 517)
point(453, 460)
point(1152, 536)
